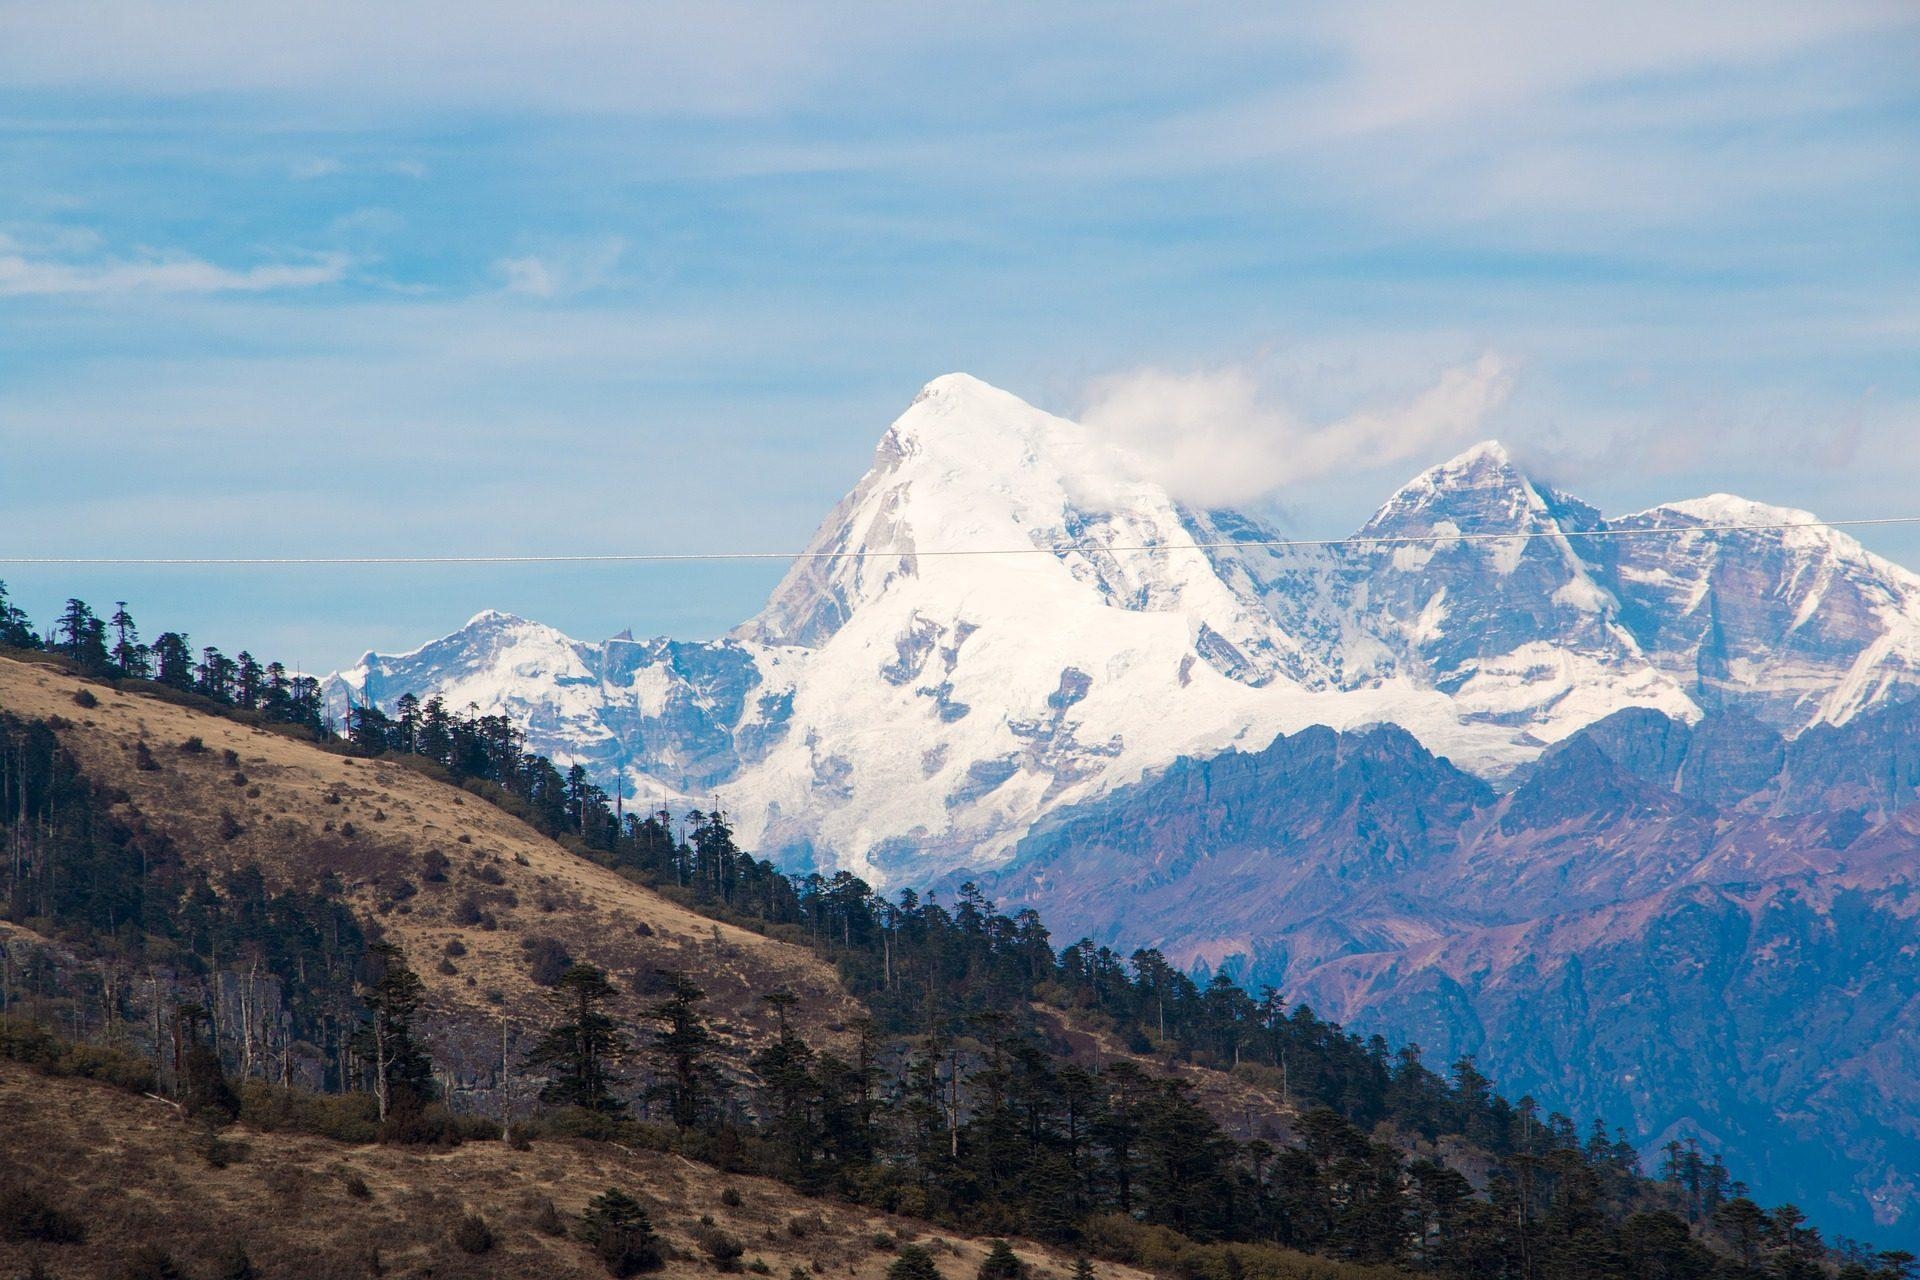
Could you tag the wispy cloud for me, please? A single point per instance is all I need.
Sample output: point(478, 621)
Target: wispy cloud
point(21, 276)
point(314, 167)
point(1219, 437)
point(564, 269)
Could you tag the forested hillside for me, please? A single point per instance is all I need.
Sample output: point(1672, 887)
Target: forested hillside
point(213, 902)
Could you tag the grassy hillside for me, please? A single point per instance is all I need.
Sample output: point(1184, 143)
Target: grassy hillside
point(253, 795)
point(130, 1172)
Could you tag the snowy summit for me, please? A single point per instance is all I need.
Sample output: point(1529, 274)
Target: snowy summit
point(902, 711)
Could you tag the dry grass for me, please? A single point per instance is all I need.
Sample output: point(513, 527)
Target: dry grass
point(302, 814)
point(309, 1208)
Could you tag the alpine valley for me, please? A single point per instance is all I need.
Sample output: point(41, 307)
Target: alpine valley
point(1629, 817)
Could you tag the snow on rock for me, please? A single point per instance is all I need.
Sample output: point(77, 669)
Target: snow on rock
point(901, 711)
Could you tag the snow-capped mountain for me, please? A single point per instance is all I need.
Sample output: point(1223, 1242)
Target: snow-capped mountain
point(905, 705)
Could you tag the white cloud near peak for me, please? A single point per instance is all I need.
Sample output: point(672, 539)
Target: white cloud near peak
point(1217, 437)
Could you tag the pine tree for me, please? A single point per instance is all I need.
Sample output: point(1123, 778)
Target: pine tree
point(682, 1047)
point(581, 1052)
point(1001, 1263)
point(81, 636)
point(128, 656)
point(249, 681)
point(204, 1090)
point(1746, 1225)
point(402, 1072)
point(16, 629)
point(793, 1108)
point(913, 1263)
point(173, 660)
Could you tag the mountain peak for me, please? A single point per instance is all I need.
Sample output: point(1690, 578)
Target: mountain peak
point(1488, 464)
point(1486, 453)
point(958, 385)
point(488, 618)
point(1731, 508)
point(1479, 490)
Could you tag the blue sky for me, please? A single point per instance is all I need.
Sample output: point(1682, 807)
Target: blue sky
point(315, 278)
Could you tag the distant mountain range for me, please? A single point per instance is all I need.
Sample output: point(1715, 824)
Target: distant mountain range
point(1627, 816)
point(903, 712)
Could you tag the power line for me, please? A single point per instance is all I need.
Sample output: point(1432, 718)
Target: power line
point(684, 557)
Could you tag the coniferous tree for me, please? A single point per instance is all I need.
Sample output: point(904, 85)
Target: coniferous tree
point(682, 1047)
point(786, 1066)
point(204, 1088)
point(16, 629)
point(1001, 1263)
point(913, 1263)
point(249, 681)
point(388, 1040)
point(81, 636)
point(128, 656)
point(582, 1051)
point(1746, 1226)
point(173, 660)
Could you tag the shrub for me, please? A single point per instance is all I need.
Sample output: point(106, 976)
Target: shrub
point(143, 758)
point(193, 746)
point(84, 698)
point(802, 1225)
point(234, 1264)
point(731, 1197)
point(343, 1117)
point(547, 959)
point(27, 1215)
point(618, 1231)
point(472, 1235)
point(150, 1262)
point(547, 1220)
point(723, 1247)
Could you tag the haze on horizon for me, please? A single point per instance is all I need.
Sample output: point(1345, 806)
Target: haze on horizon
point(331, 279)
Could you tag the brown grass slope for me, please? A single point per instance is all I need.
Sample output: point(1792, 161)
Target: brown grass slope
point(303, 813)
point(134, 1173)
